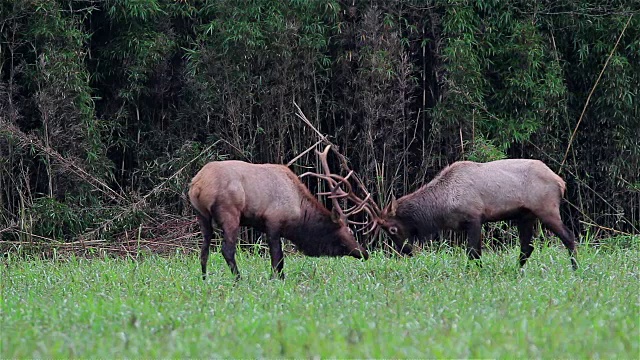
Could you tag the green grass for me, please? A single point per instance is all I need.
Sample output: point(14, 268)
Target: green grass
point(431, 305)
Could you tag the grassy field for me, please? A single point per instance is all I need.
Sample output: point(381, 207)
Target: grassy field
point(431, 305)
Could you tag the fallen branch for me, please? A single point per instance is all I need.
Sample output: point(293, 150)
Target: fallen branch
point(137, 204)
point(68, 164)
point(606, 228)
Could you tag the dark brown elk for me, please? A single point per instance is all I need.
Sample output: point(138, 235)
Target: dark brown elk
point(271, 199)
point(467, 194)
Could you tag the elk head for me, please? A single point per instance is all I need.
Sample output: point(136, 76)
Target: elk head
point(376, 218)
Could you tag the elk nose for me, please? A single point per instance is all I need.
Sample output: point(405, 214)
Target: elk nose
point(361, 254)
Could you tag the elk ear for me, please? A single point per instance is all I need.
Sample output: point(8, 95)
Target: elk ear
point(335, 217)
point(393, 206)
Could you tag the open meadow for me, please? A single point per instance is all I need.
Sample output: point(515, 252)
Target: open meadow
point(430, 305)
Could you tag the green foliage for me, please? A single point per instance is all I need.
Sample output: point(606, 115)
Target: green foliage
point(49, 101)
point(621, 242)
point(53, 219)
point(134, 10)
point(57, 76)
point(484, 150)
point(140, 42)
point(430, 305)
point(175, 171)
point(500, 65)
point(123, 91)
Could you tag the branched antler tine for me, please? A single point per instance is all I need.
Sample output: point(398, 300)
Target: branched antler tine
point(371, 214)
point(333, 185)
point(374, 226)
point(360, 204)
point(372, 222)
point(355, 208)
point(357, 222)
point(352, 210)
point(329, 179)
point(337, 196)
point(331, 194)
point(373, 218)
point(366, 232)
point(337, 192)
point(342, 180)
point(367, 204)
point(322, 176)
point(348, 175)
point(348, 194)
point(368, 199)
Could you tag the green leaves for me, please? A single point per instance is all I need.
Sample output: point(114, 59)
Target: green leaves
point(504, 74)
point(134, 10)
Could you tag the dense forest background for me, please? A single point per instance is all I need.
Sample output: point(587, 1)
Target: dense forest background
point(108, 108)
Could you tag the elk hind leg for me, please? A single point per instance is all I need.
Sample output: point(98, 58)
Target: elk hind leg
point(207, 232)
point(554, 223)
point(231, 228)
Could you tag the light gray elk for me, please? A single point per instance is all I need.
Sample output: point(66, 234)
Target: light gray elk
point(271, 199)
point(467, 194)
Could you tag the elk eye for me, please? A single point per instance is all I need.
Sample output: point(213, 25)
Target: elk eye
point(393, 230)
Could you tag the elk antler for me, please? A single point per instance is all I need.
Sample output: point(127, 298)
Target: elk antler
point(335, 181)
point(367, 204)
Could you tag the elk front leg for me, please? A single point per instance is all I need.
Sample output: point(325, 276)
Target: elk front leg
point(525, 233)
point(474, 241)
point(277, 257)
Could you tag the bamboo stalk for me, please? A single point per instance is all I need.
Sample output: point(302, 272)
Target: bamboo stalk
point(584, 109)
